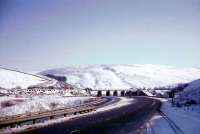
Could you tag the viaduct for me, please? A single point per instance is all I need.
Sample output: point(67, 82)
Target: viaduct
point(117, 92)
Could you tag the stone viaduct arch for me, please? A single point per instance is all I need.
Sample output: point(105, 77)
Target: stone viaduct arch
point(117, 92)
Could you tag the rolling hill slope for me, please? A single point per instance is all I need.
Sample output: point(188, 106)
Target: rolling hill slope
point(11, 79)
point(125, 76)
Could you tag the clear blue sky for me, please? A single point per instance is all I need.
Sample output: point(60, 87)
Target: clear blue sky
point(41, 34)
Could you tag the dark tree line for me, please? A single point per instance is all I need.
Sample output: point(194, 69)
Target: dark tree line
point(58, 78)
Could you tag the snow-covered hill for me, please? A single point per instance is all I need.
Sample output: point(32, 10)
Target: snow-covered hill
point(11, 79)
point(125, 76)
point(191, 92)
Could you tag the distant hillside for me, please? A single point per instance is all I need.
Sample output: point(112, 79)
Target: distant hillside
point(125, 76)
point(11, 79)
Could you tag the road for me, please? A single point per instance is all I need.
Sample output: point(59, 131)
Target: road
point(112, 121)
point(36, 116)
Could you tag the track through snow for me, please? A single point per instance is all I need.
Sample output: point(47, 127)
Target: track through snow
point(164, 125)
point(173, 120)
point(174, 127)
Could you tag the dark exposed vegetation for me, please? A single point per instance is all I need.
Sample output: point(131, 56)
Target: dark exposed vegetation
point(177, 88)
point(88, 90)
point(190, 102)
point(53, 105)
point(58, 78)
point(10, 103)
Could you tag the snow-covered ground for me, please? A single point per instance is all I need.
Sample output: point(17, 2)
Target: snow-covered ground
point(11, 79)
point(12, 105)
point(186, 116)
point(187, 120)
point(125, 76)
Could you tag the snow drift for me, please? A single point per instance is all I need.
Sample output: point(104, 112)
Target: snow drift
point(125, 76)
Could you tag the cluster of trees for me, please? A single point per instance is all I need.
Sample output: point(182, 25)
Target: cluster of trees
point(176, 88)
point(58, 78)
point(88, 90)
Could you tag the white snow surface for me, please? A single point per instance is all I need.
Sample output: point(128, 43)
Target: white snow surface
point(37, 103)
point(125, 76)
point(11, 79)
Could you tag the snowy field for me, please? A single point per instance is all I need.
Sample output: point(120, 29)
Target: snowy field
point(12, 105)
point(187, 120)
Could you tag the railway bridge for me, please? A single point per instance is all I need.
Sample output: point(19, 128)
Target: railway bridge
point(117, 92)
